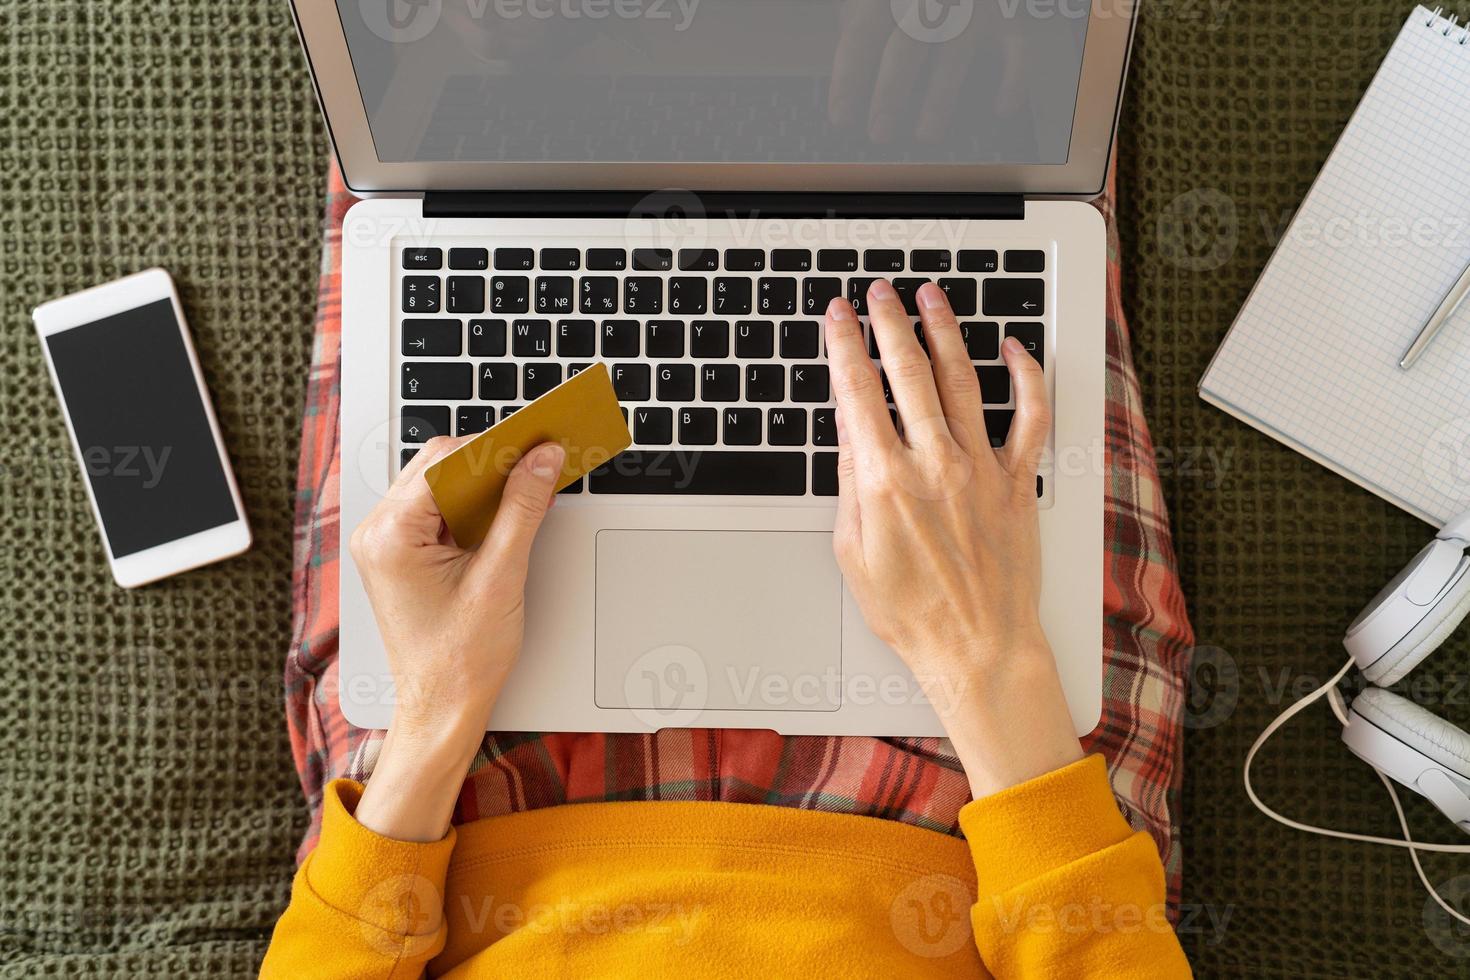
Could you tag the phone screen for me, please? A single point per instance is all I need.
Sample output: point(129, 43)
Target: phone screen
point(140, 423)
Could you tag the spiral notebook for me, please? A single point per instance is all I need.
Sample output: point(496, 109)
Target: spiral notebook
point(1384, 233)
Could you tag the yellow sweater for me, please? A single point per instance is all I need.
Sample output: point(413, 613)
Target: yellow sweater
point(1054, 881)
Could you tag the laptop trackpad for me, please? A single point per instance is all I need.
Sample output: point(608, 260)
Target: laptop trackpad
point(723, 620)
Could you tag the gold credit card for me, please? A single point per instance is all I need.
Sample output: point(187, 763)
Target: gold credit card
point(581, 413)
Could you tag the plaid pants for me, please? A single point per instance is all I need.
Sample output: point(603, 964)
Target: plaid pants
point(1147, 641)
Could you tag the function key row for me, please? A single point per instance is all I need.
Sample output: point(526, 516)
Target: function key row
point(879, 260)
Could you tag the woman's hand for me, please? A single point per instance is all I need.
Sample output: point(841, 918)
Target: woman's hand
point(937, 533)
point(452, 623)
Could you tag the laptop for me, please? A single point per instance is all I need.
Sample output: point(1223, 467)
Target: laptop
point(677, 188)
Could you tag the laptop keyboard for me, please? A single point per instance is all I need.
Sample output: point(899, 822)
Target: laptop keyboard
point(716, 354)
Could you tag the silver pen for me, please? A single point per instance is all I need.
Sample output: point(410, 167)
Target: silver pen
point(1446, 309)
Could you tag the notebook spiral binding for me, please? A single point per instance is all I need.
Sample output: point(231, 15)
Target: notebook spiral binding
point(1448, 24)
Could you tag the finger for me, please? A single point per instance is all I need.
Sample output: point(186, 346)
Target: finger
point(1032, 425)
point(865, 26)
point(847, 529)
point(861, 410)
point(954, 374)
point(904, 60)
point(409, 514)
point(523, 506)
point(910, 375)
point(946, 85)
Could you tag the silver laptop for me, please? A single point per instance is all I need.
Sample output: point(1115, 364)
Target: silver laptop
point(677, 188)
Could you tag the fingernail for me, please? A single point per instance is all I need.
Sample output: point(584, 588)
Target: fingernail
point(547, 461)
point(882, 289)
point(1013, 346)
point(931, 297)
point(840, 309)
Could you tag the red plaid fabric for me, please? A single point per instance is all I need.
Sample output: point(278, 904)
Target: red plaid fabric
point(914, 780)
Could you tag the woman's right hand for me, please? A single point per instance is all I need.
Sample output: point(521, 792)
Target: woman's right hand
point(937, 533)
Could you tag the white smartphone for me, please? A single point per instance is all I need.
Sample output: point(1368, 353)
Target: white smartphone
point(142, 427)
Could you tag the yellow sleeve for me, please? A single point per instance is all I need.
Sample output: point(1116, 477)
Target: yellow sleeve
point(1066, 888)
point(362, 905)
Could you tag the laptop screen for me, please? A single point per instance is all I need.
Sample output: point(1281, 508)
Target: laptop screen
point(711, 81)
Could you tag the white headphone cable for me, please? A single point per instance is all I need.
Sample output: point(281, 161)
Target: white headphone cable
point(1414, 847)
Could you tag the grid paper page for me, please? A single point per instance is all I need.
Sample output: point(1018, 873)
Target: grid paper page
point(1383, 235)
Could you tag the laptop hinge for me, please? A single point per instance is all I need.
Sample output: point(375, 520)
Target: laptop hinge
point(719, 204)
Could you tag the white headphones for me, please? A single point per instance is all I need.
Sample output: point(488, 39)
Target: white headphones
point(1403, 741)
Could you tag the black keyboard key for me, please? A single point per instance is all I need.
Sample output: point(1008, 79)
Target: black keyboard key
point(554, 294)
point(575, 369)
point(737, 472)
point(719, 383)
point(742, 426)
point(487, 338)
point(786, 426)
point(883, 260)
point(745, 260)
point(699, 259)
point(653, 259)
point(1032, 337)
point(687, 296)
point(664, 338)
point(697, 426)
point(599, 294)
point(961, 294)
point(573, 488)
point(979, 260)
point(632, 382)
point(576, 338)
point(643, 295)
point(998, 425)
point(619, 338)
point(824, 474)
point(465, 294)
point(653, 426)
point(777, 297)
point(809, 383)
point(510, 294)
point(497, 382)
point(755, 338)
point(432, 338)
point(982, 339)
point(995, 383)
point(929, 260)
point(561, 259)
point(514, 260)
point(423, 422)
point(423, 258)
point(731, 297)
point(471, 420)
point(765, 383)
point(837, 260)
point(1025, 260)
point(1015, 297)
point(709, 338)
point(421, 294)
point(676, 382)
point(539, 379)
point(530, 338)
point(472, 259)
point(908, 294)
point(824, 427)
point(791, 260)
point(607, 259)
point(857, 295)
point(800, 339)
point(818, 293)
point(406, 456)
point(509, 410)
point(437, 381)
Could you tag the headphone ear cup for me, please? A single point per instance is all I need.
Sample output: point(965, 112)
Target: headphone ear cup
point(1412, 614)
point(1416, 727)
point(1423, 639)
